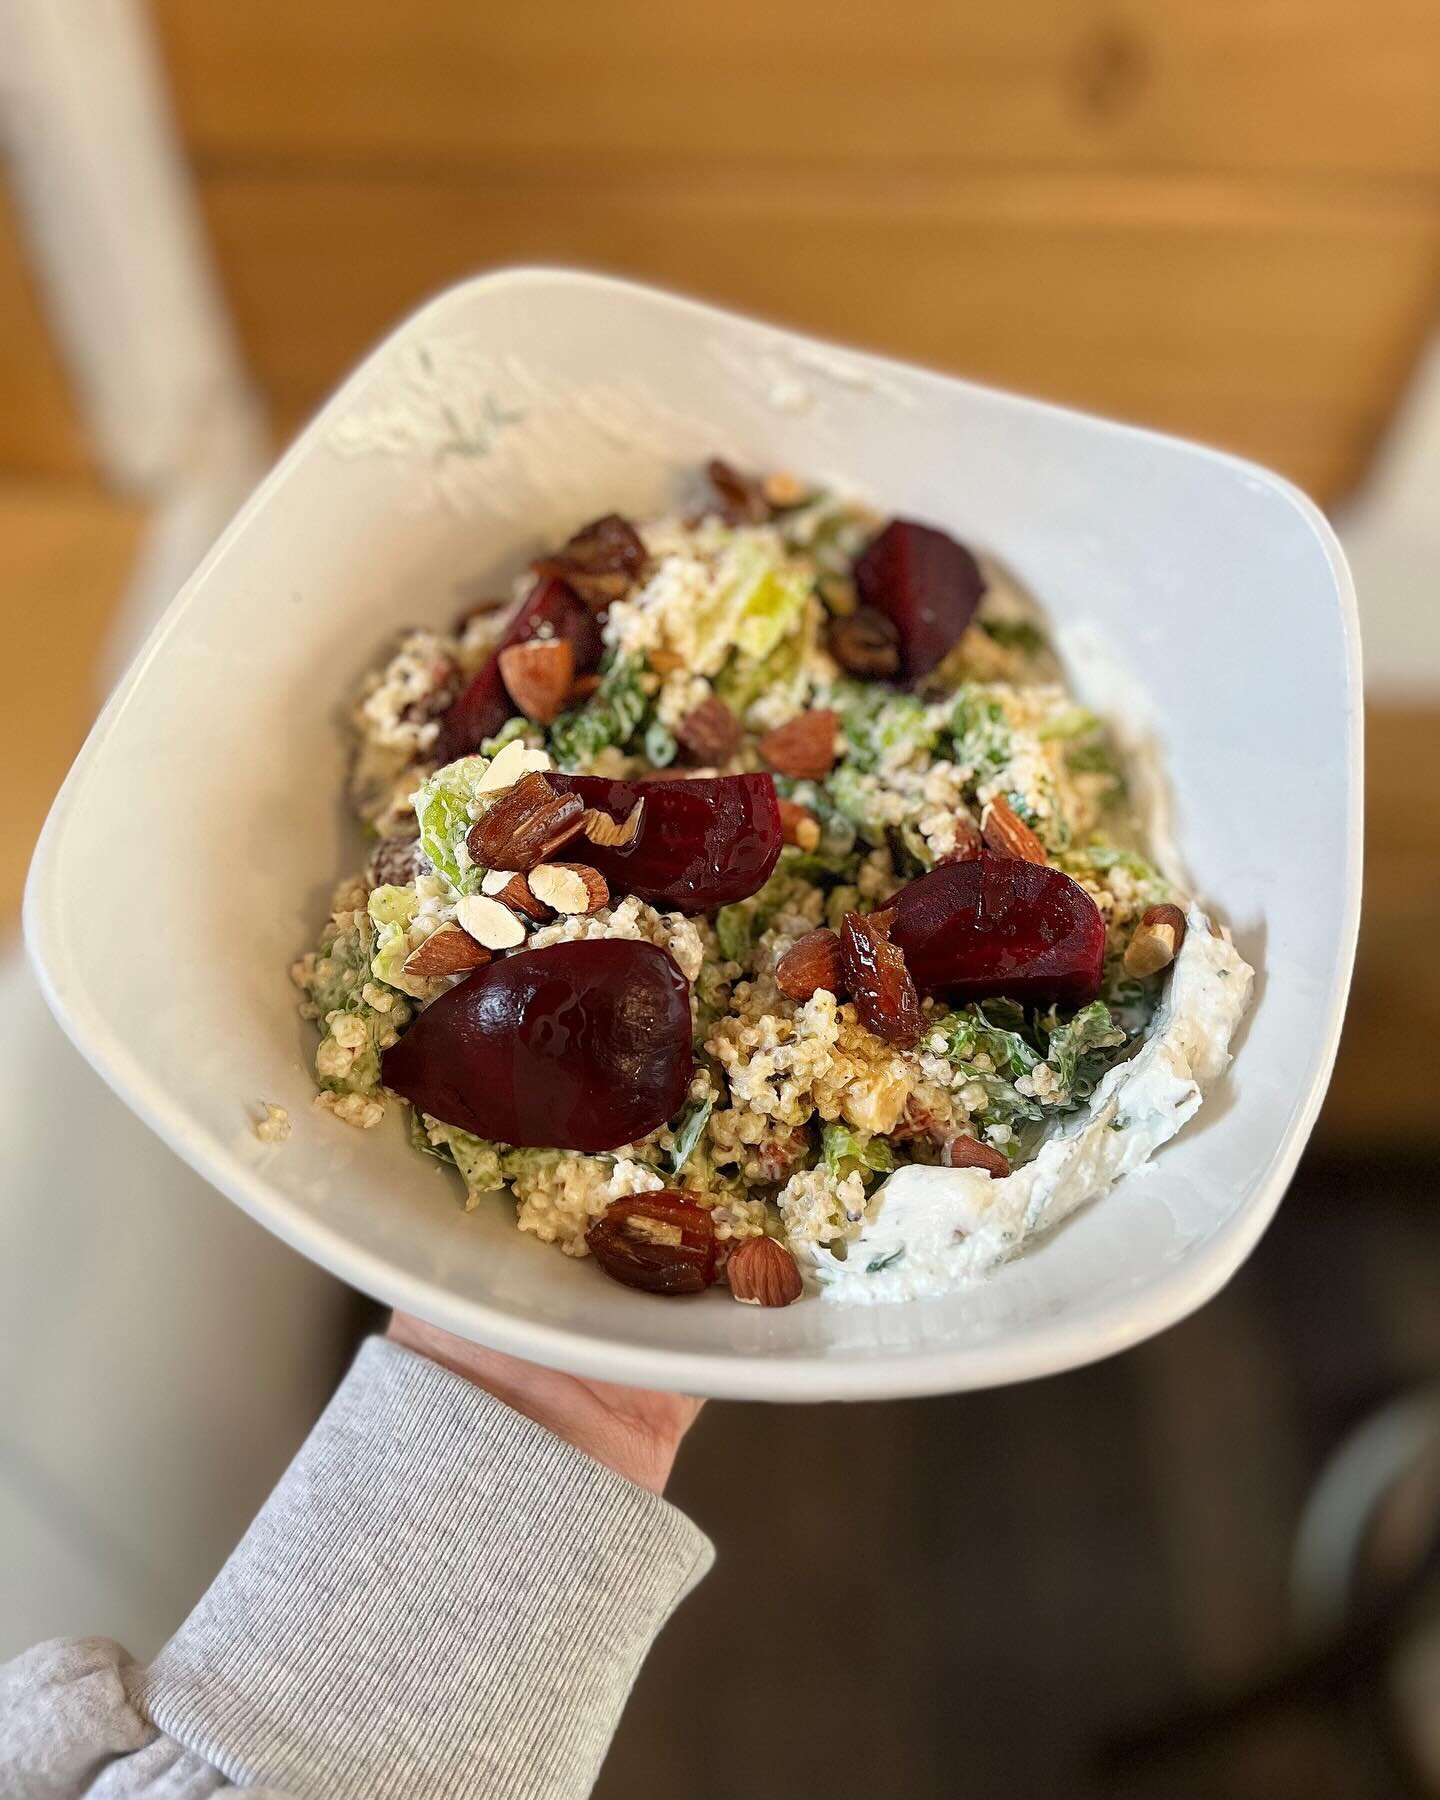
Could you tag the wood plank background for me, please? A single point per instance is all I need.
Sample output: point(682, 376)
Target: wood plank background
point(1221, 217)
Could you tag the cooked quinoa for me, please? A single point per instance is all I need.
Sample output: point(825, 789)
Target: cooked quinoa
point(795, 1111)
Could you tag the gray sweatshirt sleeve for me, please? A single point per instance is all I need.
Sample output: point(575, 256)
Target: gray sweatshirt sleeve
point(440, 1598)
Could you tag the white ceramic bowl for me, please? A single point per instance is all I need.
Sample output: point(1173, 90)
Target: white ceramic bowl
point(189, 856)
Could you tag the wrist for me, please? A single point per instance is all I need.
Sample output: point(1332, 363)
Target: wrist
point(629, 1430)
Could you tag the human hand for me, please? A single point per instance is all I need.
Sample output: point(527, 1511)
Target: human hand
point(633, 1431)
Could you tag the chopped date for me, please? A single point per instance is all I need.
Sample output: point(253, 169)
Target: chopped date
point(600, 563)
point(677, 1258)
point(875, 973)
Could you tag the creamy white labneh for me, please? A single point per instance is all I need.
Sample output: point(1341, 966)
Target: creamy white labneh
point(927, 1229)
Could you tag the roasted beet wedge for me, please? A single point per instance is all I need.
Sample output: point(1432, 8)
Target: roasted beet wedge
point(926, 584)
point(700, 844)
point(581, 1046)
point(483, 706)
point(996, 925)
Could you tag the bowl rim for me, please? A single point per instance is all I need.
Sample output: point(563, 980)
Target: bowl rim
point(1047, 1347)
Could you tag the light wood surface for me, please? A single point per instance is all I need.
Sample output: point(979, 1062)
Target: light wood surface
point(1277, 321)
point(1318, 87)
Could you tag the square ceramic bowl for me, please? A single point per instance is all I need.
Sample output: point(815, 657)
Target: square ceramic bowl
point(189, 857)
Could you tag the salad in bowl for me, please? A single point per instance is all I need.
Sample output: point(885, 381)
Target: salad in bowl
point(752, 904)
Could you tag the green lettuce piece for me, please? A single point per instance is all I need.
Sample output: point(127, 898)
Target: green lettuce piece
point(444, 809)
point(660, 746)
point(758, 603)
point(982, 736)
point(611, 716)
point(478, 1163)
point(879, 724)
point(1015, 634)
point(855, 794)
point(1073, 722)
point(1074, 1050)
point(745, 678)
point(334, 982)
point(844, 1149)
point(971, 1031)
point(517, 727)
point(392, 912)
point(687, 1132)
point(735, 930)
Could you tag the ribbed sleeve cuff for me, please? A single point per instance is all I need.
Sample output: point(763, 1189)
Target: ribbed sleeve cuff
point(440, 1598)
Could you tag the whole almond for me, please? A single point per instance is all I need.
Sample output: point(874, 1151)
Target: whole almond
point(804, 747)
point(970, 1153)
point(1156, 942)
point(813, 961)
point(526, 826)
point(762, 1272)
point(1007, 834)
point(494, 925)
point(798, 825)
point(448, 951)
point(572, 889)
point(709, 732)
point(538, 676)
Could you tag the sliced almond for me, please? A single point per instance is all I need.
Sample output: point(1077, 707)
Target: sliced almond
point(1156, 942)
point(538, 676)
point(584, 687)
point(494, 882)
point(799, 825)
point(665, 662)
point(1007, 834)
point(613, 834)
point(571, 888)
point(490, 923)
point(449, 951)
point(521, 898)
point(508, 764)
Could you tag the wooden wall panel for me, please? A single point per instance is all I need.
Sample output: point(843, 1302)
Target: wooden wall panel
point(1319, 86)
point(1256, 315)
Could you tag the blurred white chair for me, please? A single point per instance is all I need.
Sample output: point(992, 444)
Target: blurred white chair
point(162, 1356)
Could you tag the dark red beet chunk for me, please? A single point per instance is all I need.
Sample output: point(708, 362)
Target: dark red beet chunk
point(581, 1046)
point(484, 706)
point(701, 843)
point(926, 584)
point(996, 925)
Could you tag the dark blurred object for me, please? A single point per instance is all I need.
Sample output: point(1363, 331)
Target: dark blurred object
point(971, 1595)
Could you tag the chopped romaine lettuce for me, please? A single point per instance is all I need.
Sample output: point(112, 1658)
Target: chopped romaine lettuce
point(970, 1031)
point(1075, 1048)
point(611, 716)
point(445, 807)
point(982, 736)
point(757, 601)
point(687, 1131)
point(844, 1150)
